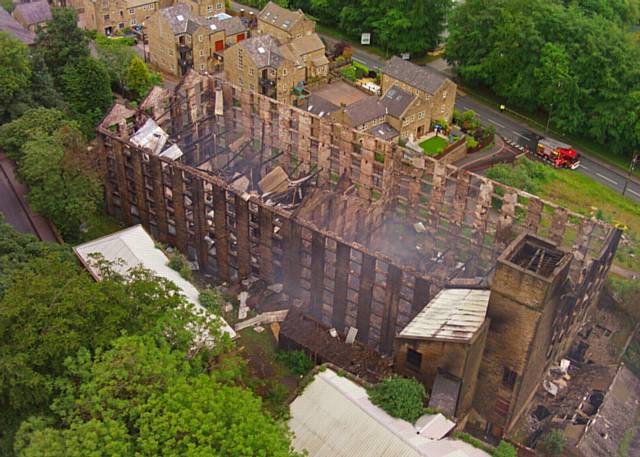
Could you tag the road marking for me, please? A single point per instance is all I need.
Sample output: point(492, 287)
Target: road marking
point(585, 167)
point(607, 178)
point(496, 122)
point(520, 135)
point(633, 192)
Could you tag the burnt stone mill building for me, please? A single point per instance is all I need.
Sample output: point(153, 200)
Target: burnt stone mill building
point(471, 286)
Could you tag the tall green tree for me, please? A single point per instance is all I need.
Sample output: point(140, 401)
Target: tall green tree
point(33, 124)
point(15, 73)
point(61, 185)
point(85, 85)
point(116, 58)
point(138, 78)
point(61, 42)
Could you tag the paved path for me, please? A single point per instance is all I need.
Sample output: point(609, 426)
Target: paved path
point(14, 208)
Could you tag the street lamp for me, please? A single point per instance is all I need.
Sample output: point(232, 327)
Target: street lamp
point(632, 166)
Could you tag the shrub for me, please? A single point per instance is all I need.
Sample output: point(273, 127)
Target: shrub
point(179, 263)
point(297, 361)
point(553, 444)
point(211, 300)
point(471, 142)
point(400, 397)
point(349, 73)
point(505, 449)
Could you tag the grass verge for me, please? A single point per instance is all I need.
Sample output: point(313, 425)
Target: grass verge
point(434, 146)
point(580, 194)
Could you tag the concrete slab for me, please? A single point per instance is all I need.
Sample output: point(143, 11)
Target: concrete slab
point(339, 92)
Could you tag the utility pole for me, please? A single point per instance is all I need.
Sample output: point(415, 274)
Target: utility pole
point(632, 166)
point(546, 129)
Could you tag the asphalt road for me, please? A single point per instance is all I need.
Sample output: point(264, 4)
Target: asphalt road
point(507, 126)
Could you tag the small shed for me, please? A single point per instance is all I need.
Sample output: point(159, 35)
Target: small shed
point(443, 345)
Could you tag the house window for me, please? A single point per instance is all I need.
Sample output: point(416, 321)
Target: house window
point(509, 378)
point(200, 38)
point(151, 6)
point(132, 11)
point(144, 7)
point(219, 6)
point(414, 359)
point(299, 35)
point(201, 67)
point(251, 71)
point(121, 25)
point(133, 22)
point(201, 52)
point(412, 118)
point(241, 82)
point(442, 109)
point(444, 94)
point(209, 8)
point(284, 72)
point(421, 115)
point(252, 87)
point(106, 17)
point(272, 73)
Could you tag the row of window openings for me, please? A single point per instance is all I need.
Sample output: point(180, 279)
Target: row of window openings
point(414, 361)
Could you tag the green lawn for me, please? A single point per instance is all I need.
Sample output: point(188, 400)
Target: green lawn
point(434, 146)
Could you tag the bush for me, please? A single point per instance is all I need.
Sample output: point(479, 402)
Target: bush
point(553, 444)
point(211, 300)
point(297, 361)
point(400, 397)
point(505, 449)
point(361, 70)
point(349, 73)
point(179, 263)
point(524, 174)
point(471, 142)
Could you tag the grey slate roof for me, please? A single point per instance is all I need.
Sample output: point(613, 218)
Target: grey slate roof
point(397, 101)
point(320, 106)
point(34, 12)
point(180, 18)
point(384, 131)
point(190, 21)
point(424, 78)
point(263, 50)
point(365, 110)
point(14, 28)
point(280, 17)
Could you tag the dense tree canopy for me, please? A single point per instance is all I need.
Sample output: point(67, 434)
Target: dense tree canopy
point(15, 71)
point(51, 309)
point(143, 398)
point(61, 42)
point(396, 26)
point(580, 67)
point(54, 161)
point(86, 88)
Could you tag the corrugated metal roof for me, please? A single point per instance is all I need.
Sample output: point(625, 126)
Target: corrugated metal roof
point(151, 136)
point(452, 315)
point(131, 248)
point(333, 417)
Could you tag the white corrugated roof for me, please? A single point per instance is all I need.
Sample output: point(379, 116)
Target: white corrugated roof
point(333, 417)
point(173, 152)
point(452, 315)
point(151, 136)
point(133, 247)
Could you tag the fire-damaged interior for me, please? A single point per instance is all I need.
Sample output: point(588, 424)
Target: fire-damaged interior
point(360, 232)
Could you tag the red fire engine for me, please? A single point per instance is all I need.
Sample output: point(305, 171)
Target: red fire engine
point(561, 155)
